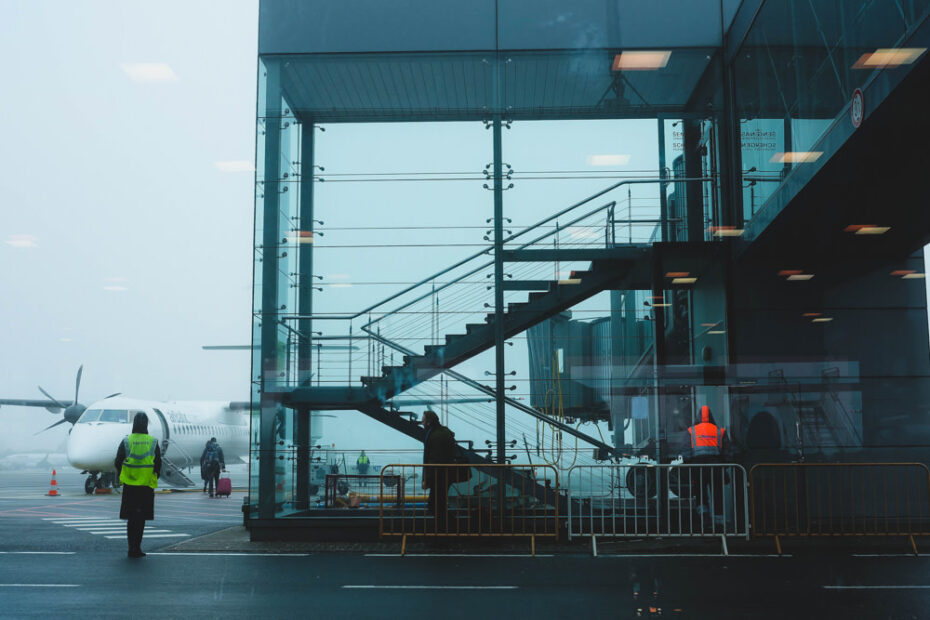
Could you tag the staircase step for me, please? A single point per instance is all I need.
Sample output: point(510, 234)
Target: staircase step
point(387, 370)
point(370, 380)
point(515, 307)
point(536, 296)
point(450, 338)
point(470, 327)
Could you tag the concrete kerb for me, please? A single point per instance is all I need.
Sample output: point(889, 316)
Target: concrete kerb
point(236, 540)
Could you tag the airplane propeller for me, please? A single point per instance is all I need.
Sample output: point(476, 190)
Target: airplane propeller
point(73, 411)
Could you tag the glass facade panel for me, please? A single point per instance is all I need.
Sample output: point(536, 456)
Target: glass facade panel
point(629, 297)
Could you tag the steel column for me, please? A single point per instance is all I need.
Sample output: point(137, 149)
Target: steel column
point(271, 237)
point(499, 290)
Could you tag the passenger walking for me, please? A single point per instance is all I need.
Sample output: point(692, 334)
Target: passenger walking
point(362, 463)
point(211, 462)
point(707, 442)
point(204, 469)
point(438, 447)
point(138, 465)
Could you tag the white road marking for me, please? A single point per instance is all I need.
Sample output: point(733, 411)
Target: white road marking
point(145, 536)
point(37, 552)
point(123, 530)
point(694, 555)
point(209, 553)
point(876, 587)
point(370, 587)
point(38, 585)
point(457, 555)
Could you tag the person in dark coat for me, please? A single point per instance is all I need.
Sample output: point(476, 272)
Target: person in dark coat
point(141, 455)
point(438, 447)
point(211, 462)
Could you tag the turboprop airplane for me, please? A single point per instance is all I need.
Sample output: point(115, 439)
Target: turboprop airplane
point(181, 427)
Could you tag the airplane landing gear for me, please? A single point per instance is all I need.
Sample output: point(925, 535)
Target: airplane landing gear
point(105, 480)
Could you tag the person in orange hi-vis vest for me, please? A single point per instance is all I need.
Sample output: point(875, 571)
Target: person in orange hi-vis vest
point(707, 442)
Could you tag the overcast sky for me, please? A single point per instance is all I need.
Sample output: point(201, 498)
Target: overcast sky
point(124, 245)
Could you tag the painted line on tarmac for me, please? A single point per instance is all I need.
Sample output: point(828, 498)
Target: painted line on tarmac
point(39, 585)
point(147, 536)
point(886, 555)
point(457, 555)
point(123, 530)
point(373, 587)
point(37, 552)
point(246, 554)
point(694, 555)
point(876, 587)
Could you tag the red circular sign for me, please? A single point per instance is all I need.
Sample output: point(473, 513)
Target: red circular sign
point(857, 107)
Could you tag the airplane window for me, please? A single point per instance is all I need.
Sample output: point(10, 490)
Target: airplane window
point(90, 415)
point(114, 415)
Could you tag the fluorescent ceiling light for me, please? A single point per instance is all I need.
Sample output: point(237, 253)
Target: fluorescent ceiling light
point(300, 236)
point(22, 241)
point(790, 272)
point(812, 314)
point(148, 72)
point(684, 280)
point(725, 231)
point(608, 160)
point(717, 331)
point(823, 319)
point(661, 305)
point(795, 157)
point(570, 281)
point(889, 57)
point(873, 230)
point(799, 277)
point(709, 324)
point(677, 274)
point(641, 60)
point(238, 165)
point(857, 227)
point(913, 276)
point(902, 272)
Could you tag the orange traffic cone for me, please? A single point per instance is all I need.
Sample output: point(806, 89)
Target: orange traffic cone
point(53, 486)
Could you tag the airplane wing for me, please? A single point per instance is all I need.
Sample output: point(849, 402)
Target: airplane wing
point(51, 405)
point(239, 405)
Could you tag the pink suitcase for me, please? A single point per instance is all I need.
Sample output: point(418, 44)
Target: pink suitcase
point(224, 487)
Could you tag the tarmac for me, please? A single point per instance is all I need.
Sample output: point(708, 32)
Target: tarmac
point(66, 556)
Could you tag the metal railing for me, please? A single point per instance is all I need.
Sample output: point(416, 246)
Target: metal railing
point(651, 501)
point(473, 501)
point(840, 499)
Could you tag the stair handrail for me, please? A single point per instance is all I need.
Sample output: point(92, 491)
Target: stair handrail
point(479, 253)
point(507, 400)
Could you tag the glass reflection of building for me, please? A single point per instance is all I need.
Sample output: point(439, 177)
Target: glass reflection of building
point(758, 253)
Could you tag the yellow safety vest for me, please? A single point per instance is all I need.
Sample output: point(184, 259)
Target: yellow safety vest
point(139, 466)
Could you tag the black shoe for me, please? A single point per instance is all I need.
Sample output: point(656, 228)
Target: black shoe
point(211, 494)
point(137, 554)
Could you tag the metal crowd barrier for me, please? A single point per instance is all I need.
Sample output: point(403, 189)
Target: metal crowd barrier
point(481, 501)
point(840, 499)
point(658, 501)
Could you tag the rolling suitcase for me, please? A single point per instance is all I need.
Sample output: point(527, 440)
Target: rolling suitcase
point(223, 487)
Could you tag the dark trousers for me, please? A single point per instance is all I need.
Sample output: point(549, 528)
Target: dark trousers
point(134, 527)
point(438, 502)
point(213, 478)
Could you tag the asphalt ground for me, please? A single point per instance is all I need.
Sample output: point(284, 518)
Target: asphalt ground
point(50, 567)
point(75, 521)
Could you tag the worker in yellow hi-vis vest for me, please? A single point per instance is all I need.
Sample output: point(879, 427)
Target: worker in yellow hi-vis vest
point(138, 464)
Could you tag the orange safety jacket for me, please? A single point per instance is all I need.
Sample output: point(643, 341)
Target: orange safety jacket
point(706, 437)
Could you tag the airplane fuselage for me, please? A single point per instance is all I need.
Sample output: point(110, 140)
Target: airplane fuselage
point(181, 427)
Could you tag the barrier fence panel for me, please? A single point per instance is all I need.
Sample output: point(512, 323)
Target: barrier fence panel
point(361, 491)
point(840, 499)
point(646, 500)
point(470, 501)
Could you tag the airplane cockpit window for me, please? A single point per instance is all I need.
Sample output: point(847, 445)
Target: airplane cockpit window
point(91, 415)
point(114, 415)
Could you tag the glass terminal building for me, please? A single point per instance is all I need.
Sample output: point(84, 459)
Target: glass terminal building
point(566, 226)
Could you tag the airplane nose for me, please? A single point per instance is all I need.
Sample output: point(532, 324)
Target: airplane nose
point(93, 447)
